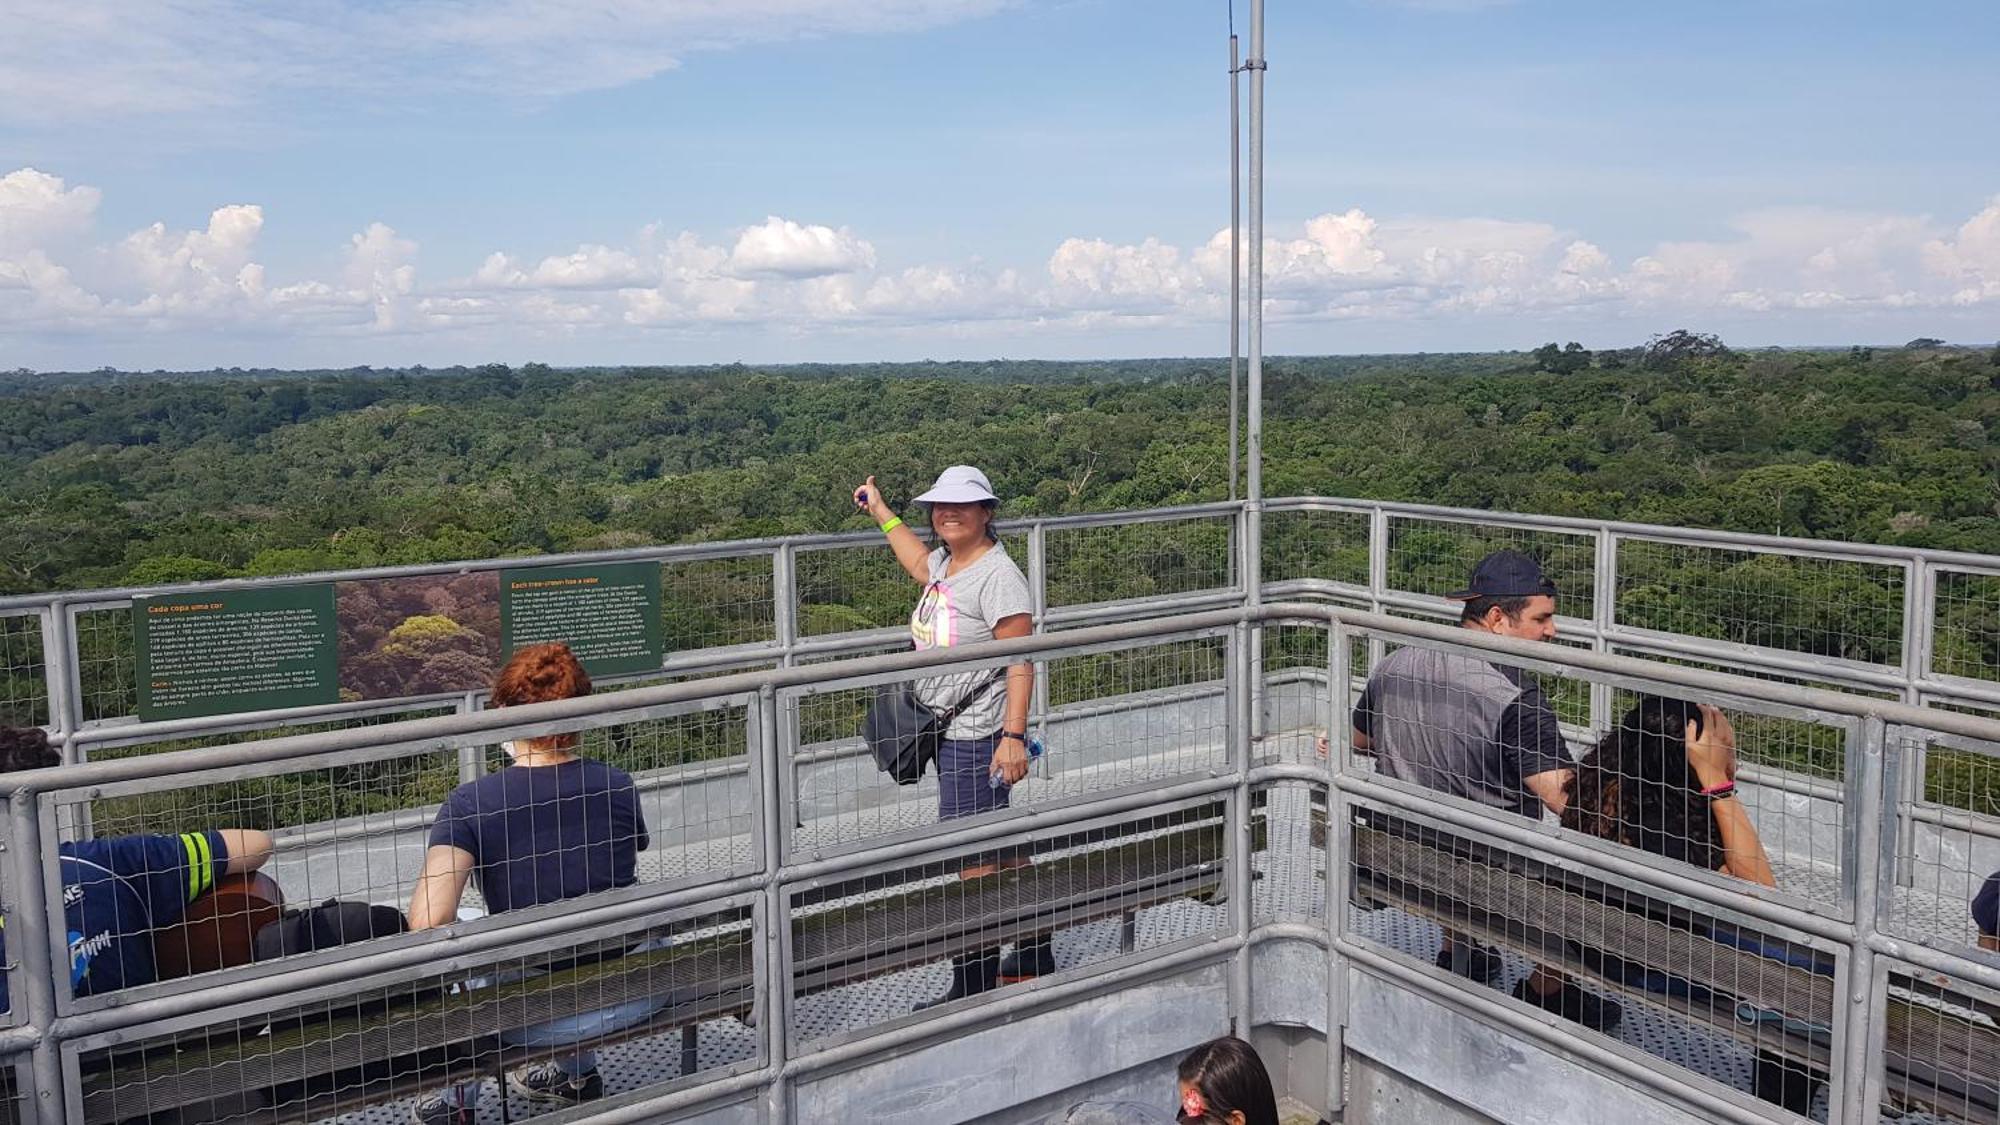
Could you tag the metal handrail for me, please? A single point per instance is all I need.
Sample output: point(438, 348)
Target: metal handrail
point(46, 1031)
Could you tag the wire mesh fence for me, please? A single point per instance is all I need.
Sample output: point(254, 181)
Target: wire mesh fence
point(1949, 844)
point(1120, 717)
point(1740, 1004)
point(106, 663)
point(1295, 690)
point(649, 801)
point(1328, 545)
point(1946, 1035)
point(713, 603)
point(1434, 557)
point(1846, 609)
point(925, 935)
point(1150, 559)
point(548, 1023)
point(1966, 624)
point(848, 589)
point(1289, 834)
point(24, 681)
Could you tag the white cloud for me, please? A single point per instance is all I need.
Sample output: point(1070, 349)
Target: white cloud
point(70, 60)
point(37, 209)
point(782, 248)
point(804, 280)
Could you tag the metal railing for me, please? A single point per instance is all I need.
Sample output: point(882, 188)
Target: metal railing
point(1884, 620)
point(1157, 723)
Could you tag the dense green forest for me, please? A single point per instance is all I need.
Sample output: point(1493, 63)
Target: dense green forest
point(119, 478)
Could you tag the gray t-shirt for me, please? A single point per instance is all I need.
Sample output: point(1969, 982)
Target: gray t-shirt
point(1460, 725)
point(962, 610)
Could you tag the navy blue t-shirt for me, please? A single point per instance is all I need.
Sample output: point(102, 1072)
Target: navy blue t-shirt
point(117, 890)
point(541, 834)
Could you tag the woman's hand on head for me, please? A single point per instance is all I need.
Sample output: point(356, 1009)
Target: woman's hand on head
point(1712, 751)
point(868, 498)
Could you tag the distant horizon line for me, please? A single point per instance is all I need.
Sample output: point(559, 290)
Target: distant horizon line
point(732, 364)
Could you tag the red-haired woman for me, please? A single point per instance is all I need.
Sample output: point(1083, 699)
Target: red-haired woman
point(552, 825)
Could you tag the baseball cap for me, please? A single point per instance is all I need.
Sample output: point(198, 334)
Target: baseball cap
point(1505, 574)
point(960, 484)
point(1986, 907)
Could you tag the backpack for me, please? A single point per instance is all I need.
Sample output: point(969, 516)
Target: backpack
point(331, 923)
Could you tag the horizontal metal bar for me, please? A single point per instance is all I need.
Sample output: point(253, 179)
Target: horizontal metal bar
point(1862, 551)
point(443, 729)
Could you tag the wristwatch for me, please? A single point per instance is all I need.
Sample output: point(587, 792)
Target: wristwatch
point(1018, 736)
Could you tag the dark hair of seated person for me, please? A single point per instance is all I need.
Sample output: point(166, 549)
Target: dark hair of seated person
point(26, 748)
point(1636, 787)
point(1231, 1080)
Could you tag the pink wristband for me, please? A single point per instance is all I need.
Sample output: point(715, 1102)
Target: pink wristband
point(1717, 792)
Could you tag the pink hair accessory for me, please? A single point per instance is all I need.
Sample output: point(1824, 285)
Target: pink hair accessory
point(1191, 1104)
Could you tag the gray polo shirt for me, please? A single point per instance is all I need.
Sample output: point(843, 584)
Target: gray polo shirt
point(1462, 726)
point(962, 610)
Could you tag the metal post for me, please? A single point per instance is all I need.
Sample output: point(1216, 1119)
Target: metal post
point(1239, 831)
point(471, 759)
point(1038, 601)
point(1857, 1047)
point(774, 983)
point(1340, 689)
point(1603, 615)
point(1235, 253)
point(1378, 574)
point(785, 601)
point(1253, 511)
point(34, 974)
point(1919, 637)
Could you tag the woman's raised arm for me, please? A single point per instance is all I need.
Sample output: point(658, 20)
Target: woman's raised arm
point(910, 550)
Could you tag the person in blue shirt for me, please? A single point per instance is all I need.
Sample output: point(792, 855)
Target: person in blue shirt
point(550, 826)
point(118, 889)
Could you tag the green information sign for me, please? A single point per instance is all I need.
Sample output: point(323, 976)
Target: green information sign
point(609, 615)
point(235, 650)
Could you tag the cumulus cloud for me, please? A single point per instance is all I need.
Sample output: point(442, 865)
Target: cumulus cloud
point(59, 278)
point(782, 248)
point(37, 208)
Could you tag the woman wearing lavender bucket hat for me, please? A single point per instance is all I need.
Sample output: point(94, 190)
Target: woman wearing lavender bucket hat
point(972, 592)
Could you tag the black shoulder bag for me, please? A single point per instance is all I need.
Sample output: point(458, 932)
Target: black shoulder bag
point(904, 734)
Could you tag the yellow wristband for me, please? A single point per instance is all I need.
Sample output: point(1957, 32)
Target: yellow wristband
point(891, 524)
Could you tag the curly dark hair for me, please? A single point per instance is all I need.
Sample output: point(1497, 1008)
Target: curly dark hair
point(26, 748)
point(1637, 788)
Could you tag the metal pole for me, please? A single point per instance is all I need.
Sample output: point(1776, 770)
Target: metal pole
point(1239, 879)
point(34, 976)
point(1235, 254)
point(774, 984)
point(1340, 704)
point(1856, 1050)
point(1253, 512)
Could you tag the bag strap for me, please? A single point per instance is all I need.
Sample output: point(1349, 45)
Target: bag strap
point(971, 697)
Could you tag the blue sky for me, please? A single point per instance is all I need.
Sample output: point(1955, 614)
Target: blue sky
point(613, 181)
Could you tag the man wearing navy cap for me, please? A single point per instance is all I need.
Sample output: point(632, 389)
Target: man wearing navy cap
point(1485, 733)
point(1986, 913)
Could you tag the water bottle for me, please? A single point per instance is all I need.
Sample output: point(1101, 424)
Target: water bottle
point(1035, 749)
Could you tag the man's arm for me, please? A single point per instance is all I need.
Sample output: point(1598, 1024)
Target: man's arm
point(247, 849)
point(1532, 739)
point(1552, 786)
point(1364, 719)
point(440, 885)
